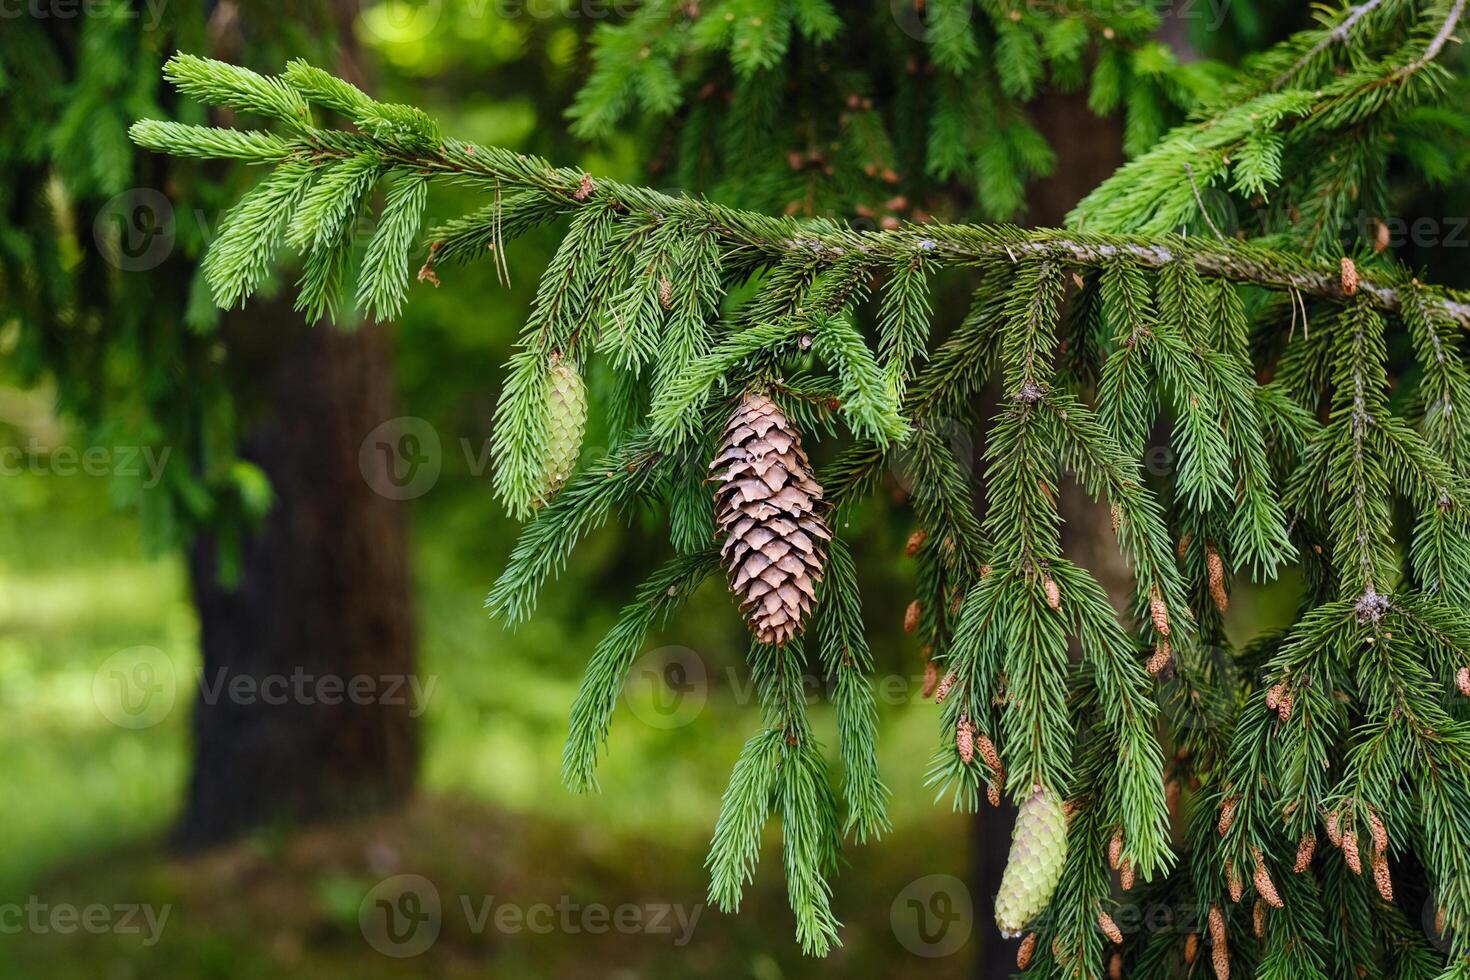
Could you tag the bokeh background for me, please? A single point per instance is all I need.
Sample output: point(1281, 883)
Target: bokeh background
point(115, 861)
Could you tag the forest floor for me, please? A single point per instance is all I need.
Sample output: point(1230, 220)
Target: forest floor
point(88, 890)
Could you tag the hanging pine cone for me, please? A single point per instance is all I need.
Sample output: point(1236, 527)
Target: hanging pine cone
point(1038, 851)
point(566, 419)
point(769, 510)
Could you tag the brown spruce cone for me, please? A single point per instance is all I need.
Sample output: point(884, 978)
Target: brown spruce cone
point(769, 510)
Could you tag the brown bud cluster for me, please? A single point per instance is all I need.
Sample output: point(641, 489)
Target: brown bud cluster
point(964, 740)
point(1216, 568)
point(1378, 832)
point(1158, 611)
point(911, 616)
point(931, 678)
point(1115, 851)
point(1265, 887)
point(945, 686)
point(1110, 928)
point(1350, 852)
point(1349, 276)
point(1305, 848)
point(1053, 593)
point(1381, 880)
point(1234, 883)
point(1220, 953)
point(1462, 680)
point(1126, 875)
point(1334, 828)
point(1161, 656)
point(916, 542)
point(1258, 917)
point(1027, 950)
point(1227, 814)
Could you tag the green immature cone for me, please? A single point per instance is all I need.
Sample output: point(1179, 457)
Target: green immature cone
point(1038, 851)
point(566, 420)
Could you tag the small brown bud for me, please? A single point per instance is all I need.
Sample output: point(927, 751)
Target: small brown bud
point(1184, 542)
point(985, 570)
point(1258, 917)
point(1349, 276)
point(1053, 593)
point(1115, 851)
point(1273, 695)
point(1334, 828)
point(1380, 877)
point(665, 293)
point(992, 794)
point(1161, 657)
point(931, 678)
point(1378, 832)
point(1158, 611)
point(1110, 928)
point(911, 616)
point(1265, 887)
point(1227, 814)
point(1380, 235)
point(1126, 875)
point(1220, 954)
point(1027, 950)
point(1116, 516)
point(945, 686)
point(989, 754)
point(1350, 852)
point(1233, 881)
point(1115, 966)
point(1462, 680)
point(1191, 948)
point(964, 741)
point(1217, 578)
point(956, 602)
point(1305, 848)
point(1283, 709)
point(1439, 920)
point(915, 542)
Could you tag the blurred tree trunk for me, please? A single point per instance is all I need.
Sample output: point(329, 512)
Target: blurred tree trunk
point(1088, 150)
point(321, 600)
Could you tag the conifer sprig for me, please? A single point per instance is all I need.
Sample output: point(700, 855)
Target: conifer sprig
point(1097, 341)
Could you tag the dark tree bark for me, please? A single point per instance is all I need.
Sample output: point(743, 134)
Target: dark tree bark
point(322, 599)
